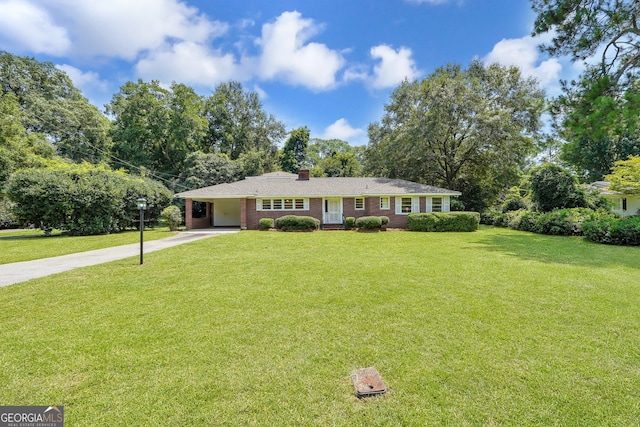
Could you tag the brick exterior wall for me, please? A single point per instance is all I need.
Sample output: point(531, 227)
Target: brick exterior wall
point(371, 204)
point(250, 217)
point(254, 216)
point(395, 221)
point(194, 223)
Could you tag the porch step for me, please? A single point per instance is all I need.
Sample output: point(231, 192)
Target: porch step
point(333, 226)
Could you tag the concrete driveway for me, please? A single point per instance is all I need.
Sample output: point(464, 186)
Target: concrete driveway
point(22, 271)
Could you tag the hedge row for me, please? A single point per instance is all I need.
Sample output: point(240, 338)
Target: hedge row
point(443, 221)
point(83, 200)
point(614, 231)
point(561, 222)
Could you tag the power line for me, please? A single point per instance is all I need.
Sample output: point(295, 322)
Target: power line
point(141, 170)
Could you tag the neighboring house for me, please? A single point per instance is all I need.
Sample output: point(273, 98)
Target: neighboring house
point(272, 195)
point(623, 204)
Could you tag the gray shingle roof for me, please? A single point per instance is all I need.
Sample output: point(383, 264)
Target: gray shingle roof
point(603, 188)
point(282, 184)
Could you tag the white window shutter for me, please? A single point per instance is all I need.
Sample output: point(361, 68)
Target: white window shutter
point(429, 207)
point(446, 205)
point(259, 204)
point(415, 204)
point(398, 205)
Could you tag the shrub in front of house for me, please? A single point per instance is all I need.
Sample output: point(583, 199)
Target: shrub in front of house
point(384, 220)
point(613, 231)
point(567, 222)
point(172, 216)
point(561, 222)
point(297, 223)
point(443, 221)
point(349, 222)
point(266, 223)
point(514, 203)
point(494, 217)
point(523, 220)
point(369, 223)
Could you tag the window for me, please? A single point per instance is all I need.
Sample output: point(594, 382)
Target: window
point(405, 205)
point(384, 203)
point(624, 203)
point(436, 204)
point(282, 204)
point(288, 204)
point(359, 201)
point(617, 203)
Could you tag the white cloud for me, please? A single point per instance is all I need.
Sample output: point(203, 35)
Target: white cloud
point(114, 28)
point(188, 63)
point(124, 28)
point(359, 72)
point(83, 80)
point(394, 66)
point(524, 54)
point(341, 129)
point(287, 55)
point(262, 94)
point(27, 26)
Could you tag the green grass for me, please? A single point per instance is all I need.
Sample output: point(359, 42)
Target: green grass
point(495, 327)
point(27, 245)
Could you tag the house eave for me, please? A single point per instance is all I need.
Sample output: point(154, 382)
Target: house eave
point(186, 195)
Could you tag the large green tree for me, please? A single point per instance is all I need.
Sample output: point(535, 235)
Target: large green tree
point(18, 147)
point(469, 129)
point(156, 128)
point(597, 115)
point(553, 187)
point(295, 150)
point(586, 28)
point(625, 176)
point(334, 157)
point(204, 169)
point(238, 123)
point(52, 106)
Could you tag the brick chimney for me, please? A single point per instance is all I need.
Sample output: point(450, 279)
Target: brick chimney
point(303, 175)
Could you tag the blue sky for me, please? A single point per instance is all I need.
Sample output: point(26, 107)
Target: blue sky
point(329, 65)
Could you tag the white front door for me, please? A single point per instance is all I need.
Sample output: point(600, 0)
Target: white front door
point(332, 211)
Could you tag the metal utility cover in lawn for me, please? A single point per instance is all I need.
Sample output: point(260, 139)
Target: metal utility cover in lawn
point(368, 382)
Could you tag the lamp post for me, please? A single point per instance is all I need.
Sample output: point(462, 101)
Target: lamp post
point(142, 206)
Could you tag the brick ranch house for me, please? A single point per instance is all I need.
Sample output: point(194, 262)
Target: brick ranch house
point(272, 195)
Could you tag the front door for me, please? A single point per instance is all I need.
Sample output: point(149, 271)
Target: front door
point(333, 211)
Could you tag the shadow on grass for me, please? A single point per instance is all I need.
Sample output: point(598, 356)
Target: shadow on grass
point(32, 236)
point(561, 250)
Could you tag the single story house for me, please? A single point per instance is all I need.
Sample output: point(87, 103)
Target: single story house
point(623, 204)
point(330, 200)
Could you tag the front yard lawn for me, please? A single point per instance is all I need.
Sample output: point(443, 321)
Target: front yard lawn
point(496, 327)
point(27, 245)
